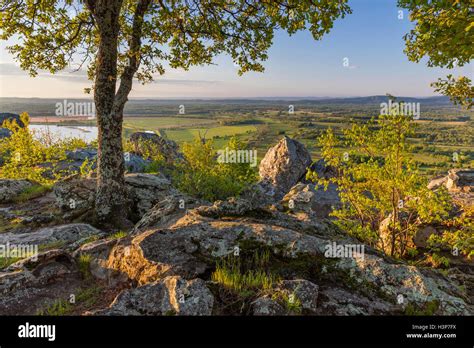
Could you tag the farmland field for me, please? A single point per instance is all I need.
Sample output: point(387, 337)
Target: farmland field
point(442, 131)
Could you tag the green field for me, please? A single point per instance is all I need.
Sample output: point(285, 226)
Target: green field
point(442, 131)
point(156, 123)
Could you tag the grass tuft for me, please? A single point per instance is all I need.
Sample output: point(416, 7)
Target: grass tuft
point(245, 277)
point(32, 193)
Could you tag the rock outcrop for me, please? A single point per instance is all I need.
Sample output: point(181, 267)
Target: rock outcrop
point(75, 196)
point(167, 264)
point(312, 198)
point(265, 306)
point(461, 180)
point(10, 188)
point(460, 185)
point(30, 284)
point(86, 158)
point(169, 296)
point(190, 247)
point(145, 190)
point(168, 148)
point(68, 236)
point(457, 180)
point(167, 211)
point(283, 166)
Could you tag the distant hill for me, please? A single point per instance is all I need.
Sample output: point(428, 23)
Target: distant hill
point(377, 99)
point(47, 106)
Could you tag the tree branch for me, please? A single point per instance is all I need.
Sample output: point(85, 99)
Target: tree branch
point(126, 78)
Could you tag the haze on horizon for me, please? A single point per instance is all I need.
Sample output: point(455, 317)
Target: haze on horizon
point(370, 40)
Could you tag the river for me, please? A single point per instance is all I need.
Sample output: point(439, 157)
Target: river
point(86, 133)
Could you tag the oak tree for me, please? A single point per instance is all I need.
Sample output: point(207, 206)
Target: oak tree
point(124, 40)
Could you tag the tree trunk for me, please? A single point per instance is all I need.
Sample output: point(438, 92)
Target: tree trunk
point(111, 194)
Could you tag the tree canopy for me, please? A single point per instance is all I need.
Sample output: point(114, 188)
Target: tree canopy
point(53, 33)
point(444, 33)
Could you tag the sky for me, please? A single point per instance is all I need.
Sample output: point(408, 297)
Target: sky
point(370, 41)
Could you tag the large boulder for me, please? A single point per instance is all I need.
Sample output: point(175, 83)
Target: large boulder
point(146, 190)
point(460, 185)
point(134, 163)
point(303, 292)
point(416, 286)
point(460, 180)
point(283, 166)
point(189, 247)
point(168, 148)
point(75, 196)
point(33, 283)
point(457, 180)
point(10, 188)
point(167, 211)
point(169, 296)
point(312, 199)
point(266, 306)
point(437, 182)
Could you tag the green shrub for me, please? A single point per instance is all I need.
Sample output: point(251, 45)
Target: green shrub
point(26, 157)
point(429, 308)
point(145, 148)
point(377, 178)
point(85, 169)
point(201, 175)
point(458, 237)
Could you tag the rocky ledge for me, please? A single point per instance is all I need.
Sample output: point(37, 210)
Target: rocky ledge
point(184, 256)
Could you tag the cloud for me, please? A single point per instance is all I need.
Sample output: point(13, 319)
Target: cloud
point(10, 69)
point(185, 82)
